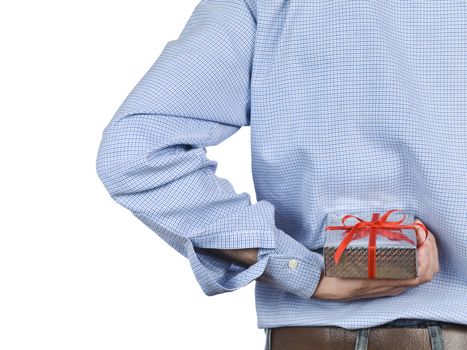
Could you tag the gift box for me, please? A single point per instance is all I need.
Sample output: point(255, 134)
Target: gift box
point(371, 244)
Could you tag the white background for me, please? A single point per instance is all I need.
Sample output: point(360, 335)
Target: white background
point(78, 271)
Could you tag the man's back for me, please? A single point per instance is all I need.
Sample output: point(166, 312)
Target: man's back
point(353, 105)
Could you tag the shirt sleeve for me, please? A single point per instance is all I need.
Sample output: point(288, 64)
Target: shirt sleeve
point(152, 155)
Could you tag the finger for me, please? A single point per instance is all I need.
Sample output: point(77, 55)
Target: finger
point(426, 255)
point(435, 246)
point(391, 282)
point(433, 252)
point(393, 290)
point(421, 234)
point(425, 265)
point(383, 293)
point(397, 291)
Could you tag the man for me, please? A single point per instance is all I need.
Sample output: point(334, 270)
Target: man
point(352, 105)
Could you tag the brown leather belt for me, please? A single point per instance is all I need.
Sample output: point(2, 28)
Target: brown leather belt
point(433, 335)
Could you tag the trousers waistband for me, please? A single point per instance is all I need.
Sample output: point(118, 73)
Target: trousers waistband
point(435, 336)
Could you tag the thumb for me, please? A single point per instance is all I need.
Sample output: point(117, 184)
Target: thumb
point(421, 234)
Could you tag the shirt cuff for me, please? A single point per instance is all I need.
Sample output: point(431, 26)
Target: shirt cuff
point(291, 266)
point(217, 275)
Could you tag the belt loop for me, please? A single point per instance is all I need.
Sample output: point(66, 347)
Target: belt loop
point(268, 339)
point(436, 337)
point(361, 343)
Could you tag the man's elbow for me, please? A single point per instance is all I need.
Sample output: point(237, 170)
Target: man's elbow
point(104, 166)
point(110, 162)
point(129, 160)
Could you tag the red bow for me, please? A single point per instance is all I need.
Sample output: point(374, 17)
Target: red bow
point(374, 227)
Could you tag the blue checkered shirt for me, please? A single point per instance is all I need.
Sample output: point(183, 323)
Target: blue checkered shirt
point(351, 105)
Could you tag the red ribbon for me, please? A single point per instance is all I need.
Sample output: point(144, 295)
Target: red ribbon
point(377, 225)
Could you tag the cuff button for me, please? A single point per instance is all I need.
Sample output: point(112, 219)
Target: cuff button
point(293, 263)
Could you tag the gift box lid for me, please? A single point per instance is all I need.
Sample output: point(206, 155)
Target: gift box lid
point(334, 237)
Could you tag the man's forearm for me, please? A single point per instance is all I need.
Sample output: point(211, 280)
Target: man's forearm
point(245, 257)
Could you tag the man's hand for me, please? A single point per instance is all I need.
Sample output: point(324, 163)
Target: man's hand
point(346, 289)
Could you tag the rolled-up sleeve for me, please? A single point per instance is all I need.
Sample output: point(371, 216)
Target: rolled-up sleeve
point(152, 156)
